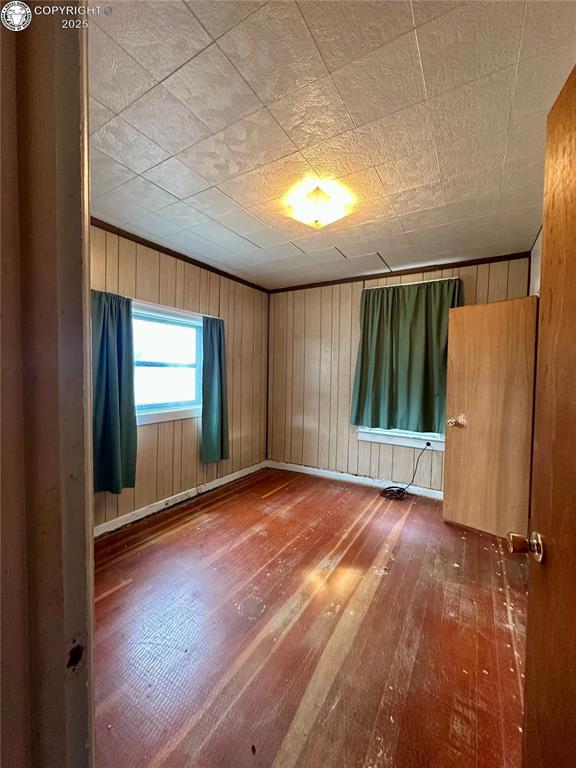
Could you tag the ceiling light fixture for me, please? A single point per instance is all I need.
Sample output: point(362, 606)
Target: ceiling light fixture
point(318, 202)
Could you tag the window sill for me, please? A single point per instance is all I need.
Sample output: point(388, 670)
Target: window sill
point(398, 437)
point(155, 417)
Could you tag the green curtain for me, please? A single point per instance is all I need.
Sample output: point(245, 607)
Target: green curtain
point(400, 380)
point(214, 445)
point(114, 412)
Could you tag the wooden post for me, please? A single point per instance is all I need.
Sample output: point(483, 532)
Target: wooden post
point(45, 447)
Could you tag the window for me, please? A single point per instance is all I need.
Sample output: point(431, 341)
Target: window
point(400, 383)
point(167, 363)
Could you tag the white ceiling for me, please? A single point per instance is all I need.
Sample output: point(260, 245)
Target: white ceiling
point(204, 113)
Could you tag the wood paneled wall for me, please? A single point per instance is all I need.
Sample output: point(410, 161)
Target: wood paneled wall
point(313, 344)
point(168, 452)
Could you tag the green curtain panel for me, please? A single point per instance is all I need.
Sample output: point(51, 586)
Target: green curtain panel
point(214, 445)
point(400, 380)
point(114, 412)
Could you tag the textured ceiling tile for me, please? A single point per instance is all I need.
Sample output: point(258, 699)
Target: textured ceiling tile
point(471, 185)
point(317, 240)
point(504, 242)
point(405, 133)
point(213, 203)
point(143, 192)
point(369, 211)
point(523, 220)
point(547, 25)
point(251, 142)
point(419, 257)
point(187, 242)
point(471, 153)
point(382, 82)
point(480, 107)
point(269, 181)
point(176, 178)
point(524, 160)
point(160, 116)
point(155, 225)
point(413, 170)
point(115, 78)
point(182, 216)
point(312, 113)
point(105, 173)
point(426, 10)
point(98, 114)
point(517, 173)
point(116, 210)
point(127, 145)
point(348, 29)
point(488, 149)
point(219, 17)
point(241, 222)
point(436, 238)
point(339, 155)
point(214, 232)
point(528, 196)
point(423, 219)
point(470, 208)
point(266, 237)
point(396, 249)
point(361, 247)
point(239, 247)
point(212, 89)
point(364, 185)
point(471, 231)
point(160, 35)
point(540, 80)
point(472, 40)
point(282, 251)
point(131, 200)
point(326, 256)
point(418, 198)
point(274, 51)
point(367, 264)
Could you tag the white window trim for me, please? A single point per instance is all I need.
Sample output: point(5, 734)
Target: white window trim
point(160, 309)
point(399, 437)
point(155, 417)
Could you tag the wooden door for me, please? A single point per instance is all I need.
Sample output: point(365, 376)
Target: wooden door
point(550, 700)
point(491, 349)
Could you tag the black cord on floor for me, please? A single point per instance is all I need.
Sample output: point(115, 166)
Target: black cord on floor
point(400, 492)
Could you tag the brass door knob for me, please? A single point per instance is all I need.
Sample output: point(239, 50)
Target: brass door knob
point(460, 421)
point(519, 544)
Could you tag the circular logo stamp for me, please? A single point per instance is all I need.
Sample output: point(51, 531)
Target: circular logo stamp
point(16, 15)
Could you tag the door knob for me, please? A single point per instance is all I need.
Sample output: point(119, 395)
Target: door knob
point(518, 544)
point(460, 421)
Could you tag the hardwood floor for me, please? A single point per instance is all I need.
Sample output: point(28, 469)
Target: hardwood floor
point(291, 621)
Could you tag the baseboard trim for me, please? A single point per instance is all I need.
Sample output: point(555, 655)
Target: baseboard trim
point(178, 498)
point(429, 493)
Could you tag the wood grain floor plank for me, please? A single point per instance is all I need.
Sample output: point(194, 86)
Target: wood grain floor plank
point(288, 621)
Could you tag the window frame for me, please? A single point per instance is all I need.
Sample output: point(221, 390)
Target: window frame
point(156, 312)
point(402, 437)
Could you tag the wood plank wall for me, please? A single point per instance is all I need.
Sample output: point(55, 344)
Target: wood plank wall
point(313, 344)
point(168, 452)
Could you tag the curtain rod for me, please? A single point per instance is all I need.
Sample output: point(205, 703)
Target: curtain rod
point(415, 282)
